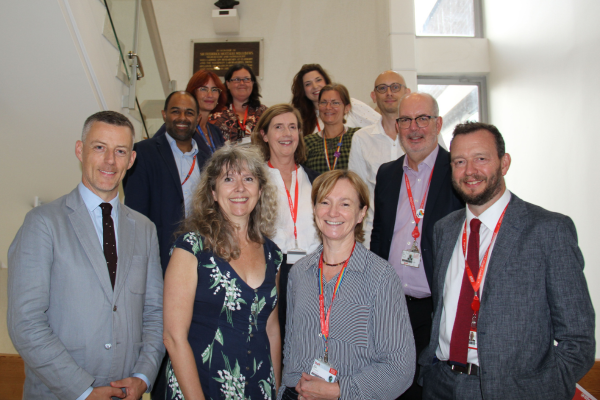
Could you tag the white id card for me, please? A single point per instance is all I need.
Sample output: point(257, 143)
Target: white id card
point(294, 255)
point(322, 370)
point(411, 258)
point(472, 339)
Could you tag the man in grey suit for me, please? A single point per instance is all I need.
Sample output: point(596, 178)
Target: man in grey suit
point(503, 297)
point(85, 283)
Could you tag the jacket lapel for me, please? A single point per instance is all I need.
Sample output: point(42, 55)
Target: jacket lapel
point(167, 155)
point(125, 248)
point(448, 243)
point(394, 196)
point(86, 233)
point(440, 170)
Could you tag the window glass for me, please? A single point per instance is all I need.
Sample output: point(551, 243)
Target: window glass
point(458, 103)
point(445, 18)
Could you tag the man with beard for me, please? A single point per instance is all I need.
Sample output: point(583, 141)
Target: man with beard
point(505, 296)
point(411, 195)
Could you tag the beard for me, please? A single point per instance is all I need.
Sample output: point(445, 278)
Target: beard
point(177, 134)
point(494, 185)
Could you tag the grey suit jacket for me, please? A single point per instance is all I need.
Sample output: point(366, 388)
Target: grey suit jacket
point(534, 293)
point(64, 319)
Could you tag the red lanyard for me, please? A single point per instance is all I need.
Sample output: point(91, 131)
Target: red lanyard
point(477, 283)
point(294, 206)
point(337, 153)
point(325, 321)
point(318, 126)
point(415, 233)
point(191, 170)
point(241, 124)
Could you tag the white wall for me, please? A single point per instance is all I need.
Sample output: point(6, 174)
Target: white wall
point(544, 95)
point(348, 38)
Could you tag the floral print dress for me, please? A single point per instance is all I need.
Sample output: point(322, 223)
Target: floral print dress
point(228, 328)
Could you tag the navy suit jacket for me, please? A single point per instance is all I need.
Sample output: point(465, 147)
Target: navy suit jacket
point(442, 199)
point(153, 187)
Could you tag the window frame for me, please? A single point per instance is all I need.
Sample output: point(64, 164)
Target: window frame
point(477, 23)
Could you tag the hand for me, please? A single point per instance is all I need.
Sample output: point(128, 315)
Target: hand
point(134, 387)
point(105, 393)
point(312, 387)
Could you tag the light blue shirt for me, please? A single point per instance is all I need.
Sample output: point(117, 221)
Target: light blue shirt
point(184, 163)
point(92, 203)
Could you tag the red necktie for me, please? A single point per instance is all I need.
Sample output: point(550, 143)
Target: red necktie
point(109, 241)
point(459, 342)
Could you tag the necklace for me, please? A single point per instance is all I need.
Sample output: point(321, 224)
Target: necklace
point(335, 265)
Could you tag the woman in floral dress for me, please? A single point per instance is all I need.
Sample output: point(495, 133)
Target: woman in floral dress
point(220, 302)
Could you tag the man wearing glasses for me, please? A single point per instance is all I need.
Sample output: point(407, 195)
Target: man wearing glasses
point(376, 144)
point(411, 195)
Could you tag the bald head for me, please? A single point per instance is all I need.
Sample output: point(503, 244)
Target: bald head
point(383, 92)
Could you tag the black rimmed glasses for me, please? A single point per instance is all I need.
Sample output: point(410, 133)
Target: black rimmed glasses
point(422, 121)
point(395, 87)
point(239, 80)
point(206, 89)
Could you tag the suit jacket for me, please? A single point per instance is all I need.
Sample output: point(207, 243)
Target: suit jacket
point(153, 187)
point(64, 318)
point(442, 199)
point(534, 293)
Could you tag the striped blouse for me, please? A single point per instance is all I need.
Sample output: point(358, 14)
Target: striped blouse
point(370, 339)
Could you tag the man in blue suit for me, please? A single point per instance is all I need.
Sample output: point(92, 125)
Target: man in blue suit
point(161, 183)
point(504, 296)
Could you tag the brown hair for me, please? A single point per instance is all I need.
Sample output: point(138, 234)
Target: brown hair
point(303, 103)
point(200, 78)
point(342, 91)
point(206, 217)
point(263, 125)
point(324, 184)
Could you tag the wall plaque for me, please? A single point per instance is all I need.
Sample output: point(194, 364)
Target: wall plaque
point(219, 56)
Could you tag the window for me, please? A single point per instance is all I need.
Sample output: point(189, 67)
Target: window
point(459, 100)
point(448, 18)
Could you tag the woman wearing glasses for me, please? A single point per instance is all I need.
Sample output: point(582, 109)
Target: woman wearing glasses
point(209, 92)
point(306, 87)
point(243, 109)
point(329, 148)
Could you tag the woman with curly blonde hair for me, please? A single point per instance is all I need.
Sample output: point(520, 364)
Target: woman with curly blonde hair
point(221, 328)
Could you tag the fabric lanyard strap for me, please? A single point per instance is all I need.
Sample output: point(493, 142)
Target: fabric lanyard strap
point(325, 320)
point(207, 138)
point(415, 233)
point(477, 283)
point(318, 126)
point(337, 152)
point(293, 206)
point(189, 173)
point(241, 124)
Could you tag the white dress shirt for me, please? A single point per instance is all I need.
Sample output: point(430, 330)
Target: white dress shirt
point(371, 147)
point(454, 277)
point(307, 233)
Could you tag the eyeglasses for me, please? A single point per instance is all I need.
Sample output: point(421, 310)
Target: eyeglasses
point(396, 87)
point(206, 89)
point(422, 121)
point(334, 103)
point(238, 80)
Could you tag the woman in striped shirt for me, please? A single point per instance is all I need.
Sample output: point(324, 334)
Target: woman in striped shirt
point(348, 333)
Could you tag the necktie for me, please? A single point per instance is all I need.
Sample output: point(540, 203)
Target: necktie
point(459, 342)
point(109, 241)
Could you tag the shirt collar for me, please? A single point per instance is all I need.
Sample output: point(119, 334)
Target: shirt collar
point(490, 217)
point(357, 262)
point(429, 160)
point(176, 149)
point(93, 201)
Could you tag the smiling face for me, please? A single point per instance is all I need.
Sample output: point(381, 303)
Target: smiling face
point(330, 114)
point(105, 156)
point(207, 101)
point(419, 142)
point(282, 136)
point(389, 101)
point(338, 213)
point(181, 117)
point(237, 194)
point(313, 81)
point(241, 90)
point(477, 171)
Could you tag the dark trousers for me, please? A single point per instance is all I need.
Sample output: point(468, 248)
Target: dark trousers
point(159, 389)
point(440, 383)
point(284, 272)
point(419, 311)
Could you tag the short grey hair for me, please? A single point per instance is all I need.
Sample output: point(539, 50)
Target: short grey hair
point(435, 109)
point(108, 117)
